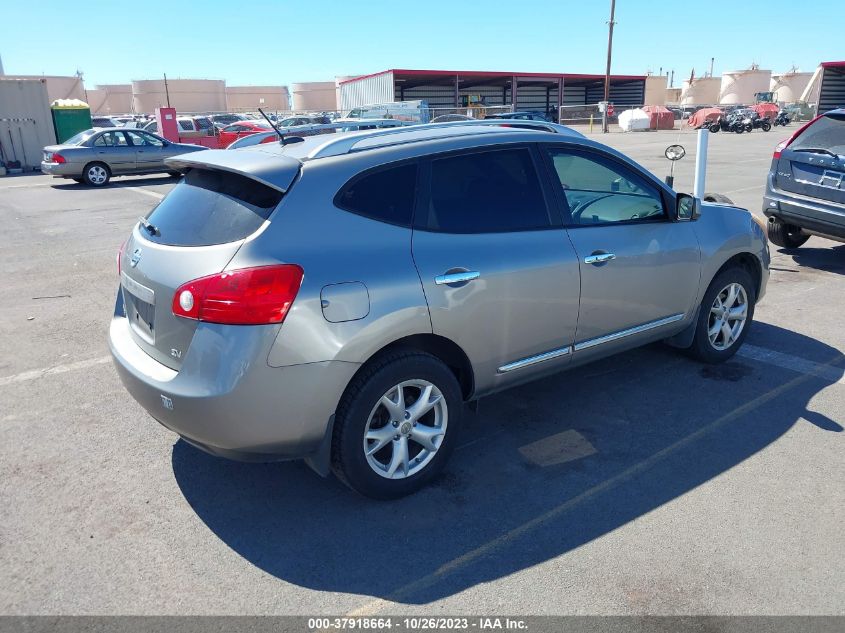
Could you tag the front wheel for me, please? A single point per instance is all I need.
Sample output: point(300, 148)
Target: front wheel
point(396, 425)
point(714, 128)
point(739, 129)
point(766, 126)
point(724, 317)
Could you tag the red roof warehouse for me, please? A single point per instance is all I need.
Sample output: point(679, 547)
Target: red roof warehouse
point(543, 92)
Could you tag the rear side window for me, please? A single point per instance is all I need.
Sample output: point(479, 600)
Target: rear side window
point(828, 132)
point(386, 195)
point(485, 192)
point(212, 207)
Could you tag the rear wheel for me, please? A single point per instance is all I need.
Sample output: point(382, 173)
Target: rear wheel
point(717, 197)
point(785, 235)
point(725, 316)
point(739, 129)
point(766, 126)
point(714, 128)
point(396, 425)
point(96, 174)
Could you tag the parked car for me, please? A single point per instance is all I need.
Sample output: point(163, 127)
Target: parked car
point(94, 156)
point(188, 126)
point(233, 132)
point(104, 121)
point(339, 299)
point(519, 116)
point(805, 188)
point(222, 120)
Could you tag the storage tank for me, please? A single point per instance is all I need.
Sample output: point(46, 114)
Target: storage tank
point(113, 99)
point(655, 89)
point(740, 86)
point(673, 95)
point(250, 98)
point(789, 86)
point(58, 87)
point(701, 91)
point(186, 95)
point(314, 95)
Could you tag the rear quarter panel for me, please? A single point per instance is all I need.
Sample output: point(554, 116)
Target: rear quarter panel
point(334, 246)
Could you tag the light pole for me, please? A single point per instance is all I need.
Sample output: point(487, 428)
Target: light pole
point(607, 71)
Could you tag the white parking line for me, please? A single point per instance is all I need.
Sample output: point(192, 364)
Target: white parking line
point(56, 369)
point(793, 363)
point(30, 186)
point(760, 186)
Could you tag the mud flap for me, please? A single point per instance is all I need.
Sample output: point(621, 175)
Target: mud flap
point(683, 339)
point(320, 461)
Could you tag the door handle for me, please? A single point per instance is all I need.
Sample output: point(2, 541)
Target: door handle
point(456, 277)
point(599, 258)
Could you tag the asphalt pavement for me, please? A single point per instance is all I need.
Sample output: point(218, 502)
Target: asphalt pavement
point(675, 488)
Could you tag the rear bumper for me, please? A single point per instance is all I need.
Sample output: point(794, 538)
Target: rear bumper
point(811, 214)
point(61, 170)
point(235, 407)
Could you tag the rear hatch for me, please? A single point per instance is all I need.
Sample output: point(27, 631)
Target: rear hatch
point(224, 199)
point(813, 163)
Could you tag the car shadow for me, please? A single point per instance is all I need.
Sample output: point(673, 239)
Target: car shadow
point(828, 259)
point(118, 182)
point(539, 471)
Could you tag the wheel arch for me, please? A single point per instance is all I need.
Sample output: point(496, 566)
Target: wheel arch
point(446, 350)
point(749, 262)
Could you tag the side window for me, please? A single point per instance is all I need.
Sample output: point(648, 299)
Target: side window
point(152, 140)
point(485, 192)
point(386, 195)
point(111, 139)
point(136, 139)
point(599, 191)
point(186, 125)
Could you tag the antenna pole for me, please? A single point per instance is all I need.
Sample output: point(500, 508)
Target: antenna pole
point(166, 91)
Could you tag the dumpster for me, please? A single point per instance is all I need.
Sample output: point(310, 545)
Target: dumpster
point(70, 116)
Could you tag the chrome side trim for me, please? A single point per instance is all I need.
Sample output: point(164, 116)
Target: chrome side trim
point(630, 331)
point(533, 360)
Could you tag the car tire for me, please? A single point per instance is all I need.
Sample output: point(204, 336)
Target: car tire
point(785, 235)
point(96, 174)
point(713, 344)
point(370, 462)
point(717, 197)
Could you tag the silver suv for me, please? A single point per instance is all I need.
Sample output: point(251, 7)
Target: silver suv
point(340, 299)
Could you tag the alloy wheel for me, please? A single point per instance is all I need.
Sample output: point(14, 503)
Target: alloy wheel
point(727, 316)
point(405, 429)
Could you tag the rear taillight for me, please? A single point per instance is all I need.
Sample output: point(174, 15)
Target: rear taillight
point(120, 256)
point(248, 296)
point(58, 158)
point(787, 142)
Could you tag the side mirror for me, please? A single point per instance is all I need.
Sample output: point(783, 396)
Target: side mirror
point(687, 207)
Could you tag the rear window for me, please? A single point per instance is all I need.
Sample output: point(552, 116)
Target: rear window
point(212, 207)
point(828, 133)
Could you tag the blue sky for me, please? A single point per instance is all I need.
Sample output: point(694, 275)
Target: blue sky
point(263, 42)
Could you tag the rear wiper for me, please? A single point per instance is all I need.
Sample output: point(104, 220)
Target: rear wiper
point(152, 229)
point(817, 150)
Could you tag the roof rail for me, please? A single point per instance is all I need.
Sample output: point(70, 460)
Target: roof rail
point(346, 143)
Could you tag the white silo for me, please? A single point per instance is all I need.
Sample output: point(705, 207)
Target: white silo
point(740, 86)
point(701, 91)
point(789, 86)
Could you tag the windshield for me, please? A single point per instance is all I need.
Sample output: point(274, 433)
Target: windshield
point(828, 132)
point(79, 138)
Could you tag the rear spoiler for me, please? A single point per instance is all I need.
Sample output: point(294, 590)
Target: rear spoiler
point(274, 170)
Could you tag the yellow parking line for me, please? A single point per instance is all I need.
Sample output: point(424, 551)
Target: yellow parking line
point(380, 604)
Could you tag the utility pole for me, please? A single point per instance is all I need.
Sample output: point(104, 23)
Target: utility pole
point(712, 59)
point(607, 71)
point(166, 91)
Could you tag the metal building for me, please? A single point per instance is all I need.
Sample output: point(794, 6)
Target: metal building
point(26, 124)
point(832, 89)
point(544, 92)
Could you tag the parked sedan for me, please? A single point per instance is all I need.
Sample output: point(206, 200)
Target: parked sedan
point(233, 132)
point(94, 156)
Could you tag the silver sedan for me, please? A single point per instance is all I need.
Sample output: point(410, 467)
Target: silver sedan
point(94, 156)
